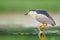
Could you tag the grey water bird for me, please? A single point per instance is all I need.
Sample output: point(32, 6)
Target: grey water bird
point(44, 18)
point(41, 16)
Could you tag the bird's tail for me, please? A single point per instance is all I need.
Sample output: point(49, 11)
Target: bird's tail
point(53, 23)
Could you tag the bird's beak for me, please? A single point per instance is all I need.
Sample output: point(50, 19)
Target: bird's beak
point(26, 14)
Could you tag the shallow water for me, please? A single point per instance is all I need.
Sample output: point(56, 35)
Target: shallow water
point(21, 19)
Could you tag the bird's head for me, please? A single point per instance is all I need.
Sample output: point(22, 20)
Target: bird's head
point(31, 12)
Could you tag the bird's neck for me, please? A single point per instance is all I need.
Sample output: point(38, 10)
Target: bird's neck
point(33, 16)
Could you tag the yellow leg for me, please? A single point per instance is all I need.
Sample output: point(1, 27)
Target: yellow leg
point(39, 28)
point(44, 31)
point(43, 36)
point(39, 36)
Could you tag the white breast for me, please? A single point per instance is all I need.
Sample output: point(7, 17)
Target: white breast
point(32, 14)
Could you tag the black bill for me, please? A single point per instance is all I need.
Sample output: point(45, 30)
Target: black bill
point(26, 14)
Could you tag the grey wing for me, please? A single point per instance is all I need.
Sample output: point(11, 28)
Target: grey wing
point(52, 20)
point(45, 13)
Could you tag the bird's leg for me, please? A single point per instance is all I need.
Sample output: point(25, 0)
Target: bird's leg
point(44, 31)
point(39, 28)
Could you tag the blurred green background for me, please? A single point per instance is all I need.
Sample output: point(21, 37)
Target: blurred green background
point(13, 23)
point(24, 5)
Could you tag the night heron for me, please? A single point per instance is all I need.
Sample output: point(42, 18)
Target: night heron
point(41, 16)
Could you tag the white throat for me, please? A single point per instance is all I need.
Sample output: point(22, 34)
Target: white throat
point(32, 14)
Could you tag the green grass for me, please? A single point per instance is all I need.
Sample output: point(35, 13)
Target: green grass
point(18, 37)
point(29, 37)
point(24, 5)
point(5, 34)
point(25, 29)
point(53, 37)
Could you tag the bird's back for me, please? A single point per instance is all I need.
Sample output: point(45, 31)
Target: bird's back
point(46, 14)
